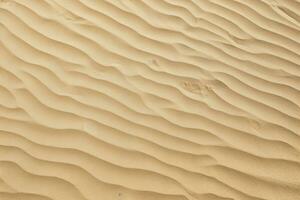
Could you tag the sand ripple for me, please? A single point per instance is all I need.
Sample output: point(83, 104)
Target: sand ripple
point(150, 99)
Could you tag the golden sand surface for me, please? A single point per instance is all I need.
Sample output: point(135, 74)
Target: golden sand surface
point(149, 100)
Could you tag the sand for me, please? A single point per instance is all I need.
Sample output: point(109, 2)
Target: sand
point(149, 100)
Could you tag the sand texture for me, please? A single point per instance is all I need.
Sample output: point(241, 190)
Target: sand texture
point(149, 100)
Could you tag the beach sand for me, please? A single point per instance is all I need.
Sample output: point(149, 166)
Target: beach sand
point(149, 100)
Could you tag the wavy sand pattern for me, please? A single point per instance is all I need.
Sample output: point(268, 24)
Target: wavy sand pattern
point(150, 99)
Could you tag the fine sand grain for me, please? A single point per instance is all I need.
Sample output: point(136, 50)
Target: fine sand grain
point(149, 100)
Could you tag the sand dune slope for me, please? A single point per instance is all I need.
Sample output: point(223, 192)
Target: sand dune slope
point(149, 100)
